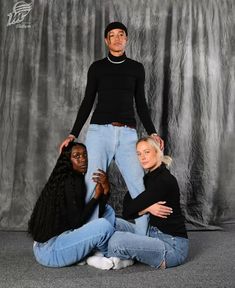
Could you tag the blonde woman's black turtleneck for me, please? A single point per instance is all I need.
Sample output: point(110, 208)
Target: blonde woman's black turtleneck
point(160, 185)
point(119, 84)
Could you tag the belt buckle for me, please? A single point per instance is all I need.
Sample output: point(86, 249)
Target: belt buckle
point(118, 124)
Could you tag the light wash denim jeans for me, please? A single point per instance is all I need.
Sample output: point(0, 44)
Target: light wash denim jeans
point(151, 250)
point(107, 142)
point(72, 246)
point(109, 215)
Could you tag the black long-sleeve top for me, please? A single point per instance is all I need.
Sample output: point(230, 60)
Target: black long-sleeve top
point(76, 211)
point(73, 212)
point(160, 185)
point(118, 85)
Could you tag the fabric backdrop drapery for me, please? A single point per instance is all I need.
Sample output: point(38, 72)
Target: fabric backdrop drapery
point(187, 48)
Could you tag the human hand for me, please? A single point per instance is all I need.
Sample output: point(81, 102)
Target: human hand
point(65, 143)
point(158, 139)
point(159, 209)
point(101, 177)
point(99, 191)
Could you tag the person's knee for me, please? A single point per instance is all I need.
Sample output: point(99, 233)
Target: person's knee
point(125, 226)
point(104, 226)
point(116, 241)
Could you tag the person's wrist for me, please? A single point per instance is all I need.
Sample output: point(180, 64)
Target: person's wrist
point(106, 191)
point(71, 137)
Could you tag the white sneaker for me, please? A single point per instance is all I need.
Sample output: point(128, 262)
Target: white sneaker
point(119, 263)
point(99, 261)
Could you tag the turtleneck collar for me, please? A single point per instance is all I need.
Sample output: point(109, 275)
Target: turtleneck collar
point(116, 59)
point(156, 171)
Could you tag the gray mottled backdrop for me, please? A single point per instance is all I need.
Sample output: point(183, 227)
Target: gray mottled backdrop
point(187, 48)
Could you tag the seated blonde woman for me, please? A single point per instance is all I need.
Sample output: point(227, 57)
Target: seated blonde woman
point(167, 242)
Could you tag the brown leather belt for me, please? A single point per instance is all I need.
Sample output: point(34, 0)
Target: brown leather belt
point(118, 124)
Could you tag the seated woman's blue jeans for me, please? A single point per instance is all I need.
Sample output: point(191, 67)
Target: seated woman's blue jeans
point(73, 245)
point(151, 250)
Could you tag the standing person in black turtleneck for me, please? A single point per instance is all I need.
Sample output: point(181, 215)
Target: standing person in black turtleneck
point(118, 82)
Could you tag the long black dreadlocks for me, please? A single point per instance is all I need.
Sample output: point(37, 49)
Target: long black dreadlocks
point(48, 214)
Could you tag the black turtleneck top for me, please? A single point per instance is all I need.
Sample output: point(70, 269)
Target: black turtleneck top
point(73, 211)
point(118, 82)
point(160, 185)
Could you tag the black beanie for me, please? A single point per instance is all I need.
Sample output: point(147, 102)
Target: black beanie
point(114, 25)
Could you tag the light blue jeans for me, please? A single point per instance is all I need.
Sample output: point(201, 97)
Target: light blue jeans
point(72, 246)
point(151, 250)
point(107, 142)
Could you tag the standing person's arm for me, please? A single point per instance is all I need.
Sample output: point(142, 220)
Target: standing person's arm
point(85, 108)
point(142, 108)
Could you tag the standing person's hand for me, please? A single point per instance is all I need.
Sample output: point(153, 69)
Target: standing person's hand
point(65, 143)
point(158, 139)
point(101, 177)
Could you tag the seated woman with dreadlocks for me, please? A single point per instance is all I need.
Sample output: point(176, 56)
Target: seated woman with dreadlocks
point(59, 223)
